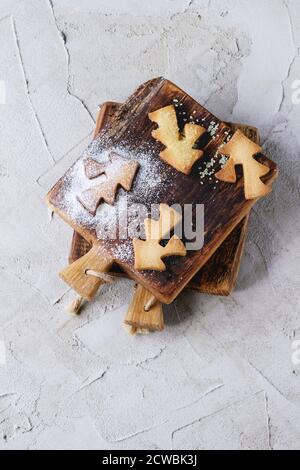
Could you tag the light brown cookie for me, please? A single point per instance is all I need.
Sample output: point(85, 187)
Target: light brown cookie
point(119, 172)
point(149, 253)
point(179, 151)
point(241, 151)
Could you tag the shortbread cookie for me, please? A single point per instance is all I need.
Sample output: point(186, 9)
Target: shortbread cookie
point(179, 152)
point(241, 151)
point(119, 172)
point(149, 253)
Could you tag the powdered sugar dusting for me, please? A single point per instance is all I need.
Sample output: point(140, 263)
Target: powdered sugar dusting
point(148, 185)
point(124, 252)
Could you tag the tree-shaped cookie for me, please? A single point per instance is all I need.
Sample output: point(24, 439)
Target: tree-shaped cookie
point(149, 253)
point(180, 152)
point(241, 151)
point(118, 171)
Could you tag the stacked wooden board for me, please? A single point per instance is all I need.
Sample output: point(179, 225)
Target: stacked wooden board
point(128, 130)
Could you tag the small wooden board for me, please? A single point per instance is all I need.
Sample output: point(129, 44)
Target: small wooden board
point(219, 275)
point(130, 133)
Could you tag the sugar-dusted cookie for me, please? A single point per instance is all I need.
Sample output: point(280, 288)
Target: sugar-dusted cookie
point(149, 252)
point(241, 151)
point(119, 172)
point(179, 152)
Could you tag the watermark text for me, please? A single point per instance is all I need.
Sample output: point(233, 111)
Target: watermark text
point(296, 92)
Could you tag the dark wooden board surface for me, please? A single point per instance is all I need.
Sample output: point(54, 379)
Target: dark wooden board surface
point(218, 276)
point(130, 134)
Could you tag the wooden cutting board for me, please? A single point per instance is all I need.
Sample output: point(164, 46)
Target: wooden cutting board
point(130, 134)
point(219, 275)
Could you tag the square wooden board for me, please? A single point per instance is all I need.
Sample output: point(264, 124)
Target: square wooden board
point(218, 276)
point(130, 136)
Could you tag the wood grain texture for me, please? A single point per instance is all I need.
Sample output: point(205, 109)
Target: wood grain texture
point(138, 318)
point(106, 113)
point(76, 274)
point(218, 276)
point(79, 247)
point(225, 207)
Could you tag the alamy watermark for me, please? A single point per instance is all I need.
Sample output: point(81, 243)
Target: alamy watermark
point(128, 221)
point(296, 353)
point(296, 92)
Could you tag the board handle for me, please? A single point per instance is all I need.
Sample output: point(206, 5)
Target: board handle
point(82, 274)
point(141, 320)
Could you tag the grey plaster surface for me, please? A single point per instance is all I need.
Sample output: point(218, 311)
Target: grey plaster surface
point(223, 374)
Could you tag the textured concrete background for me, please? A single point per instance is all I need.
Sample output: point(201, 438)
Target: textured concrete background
point(221, 375)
